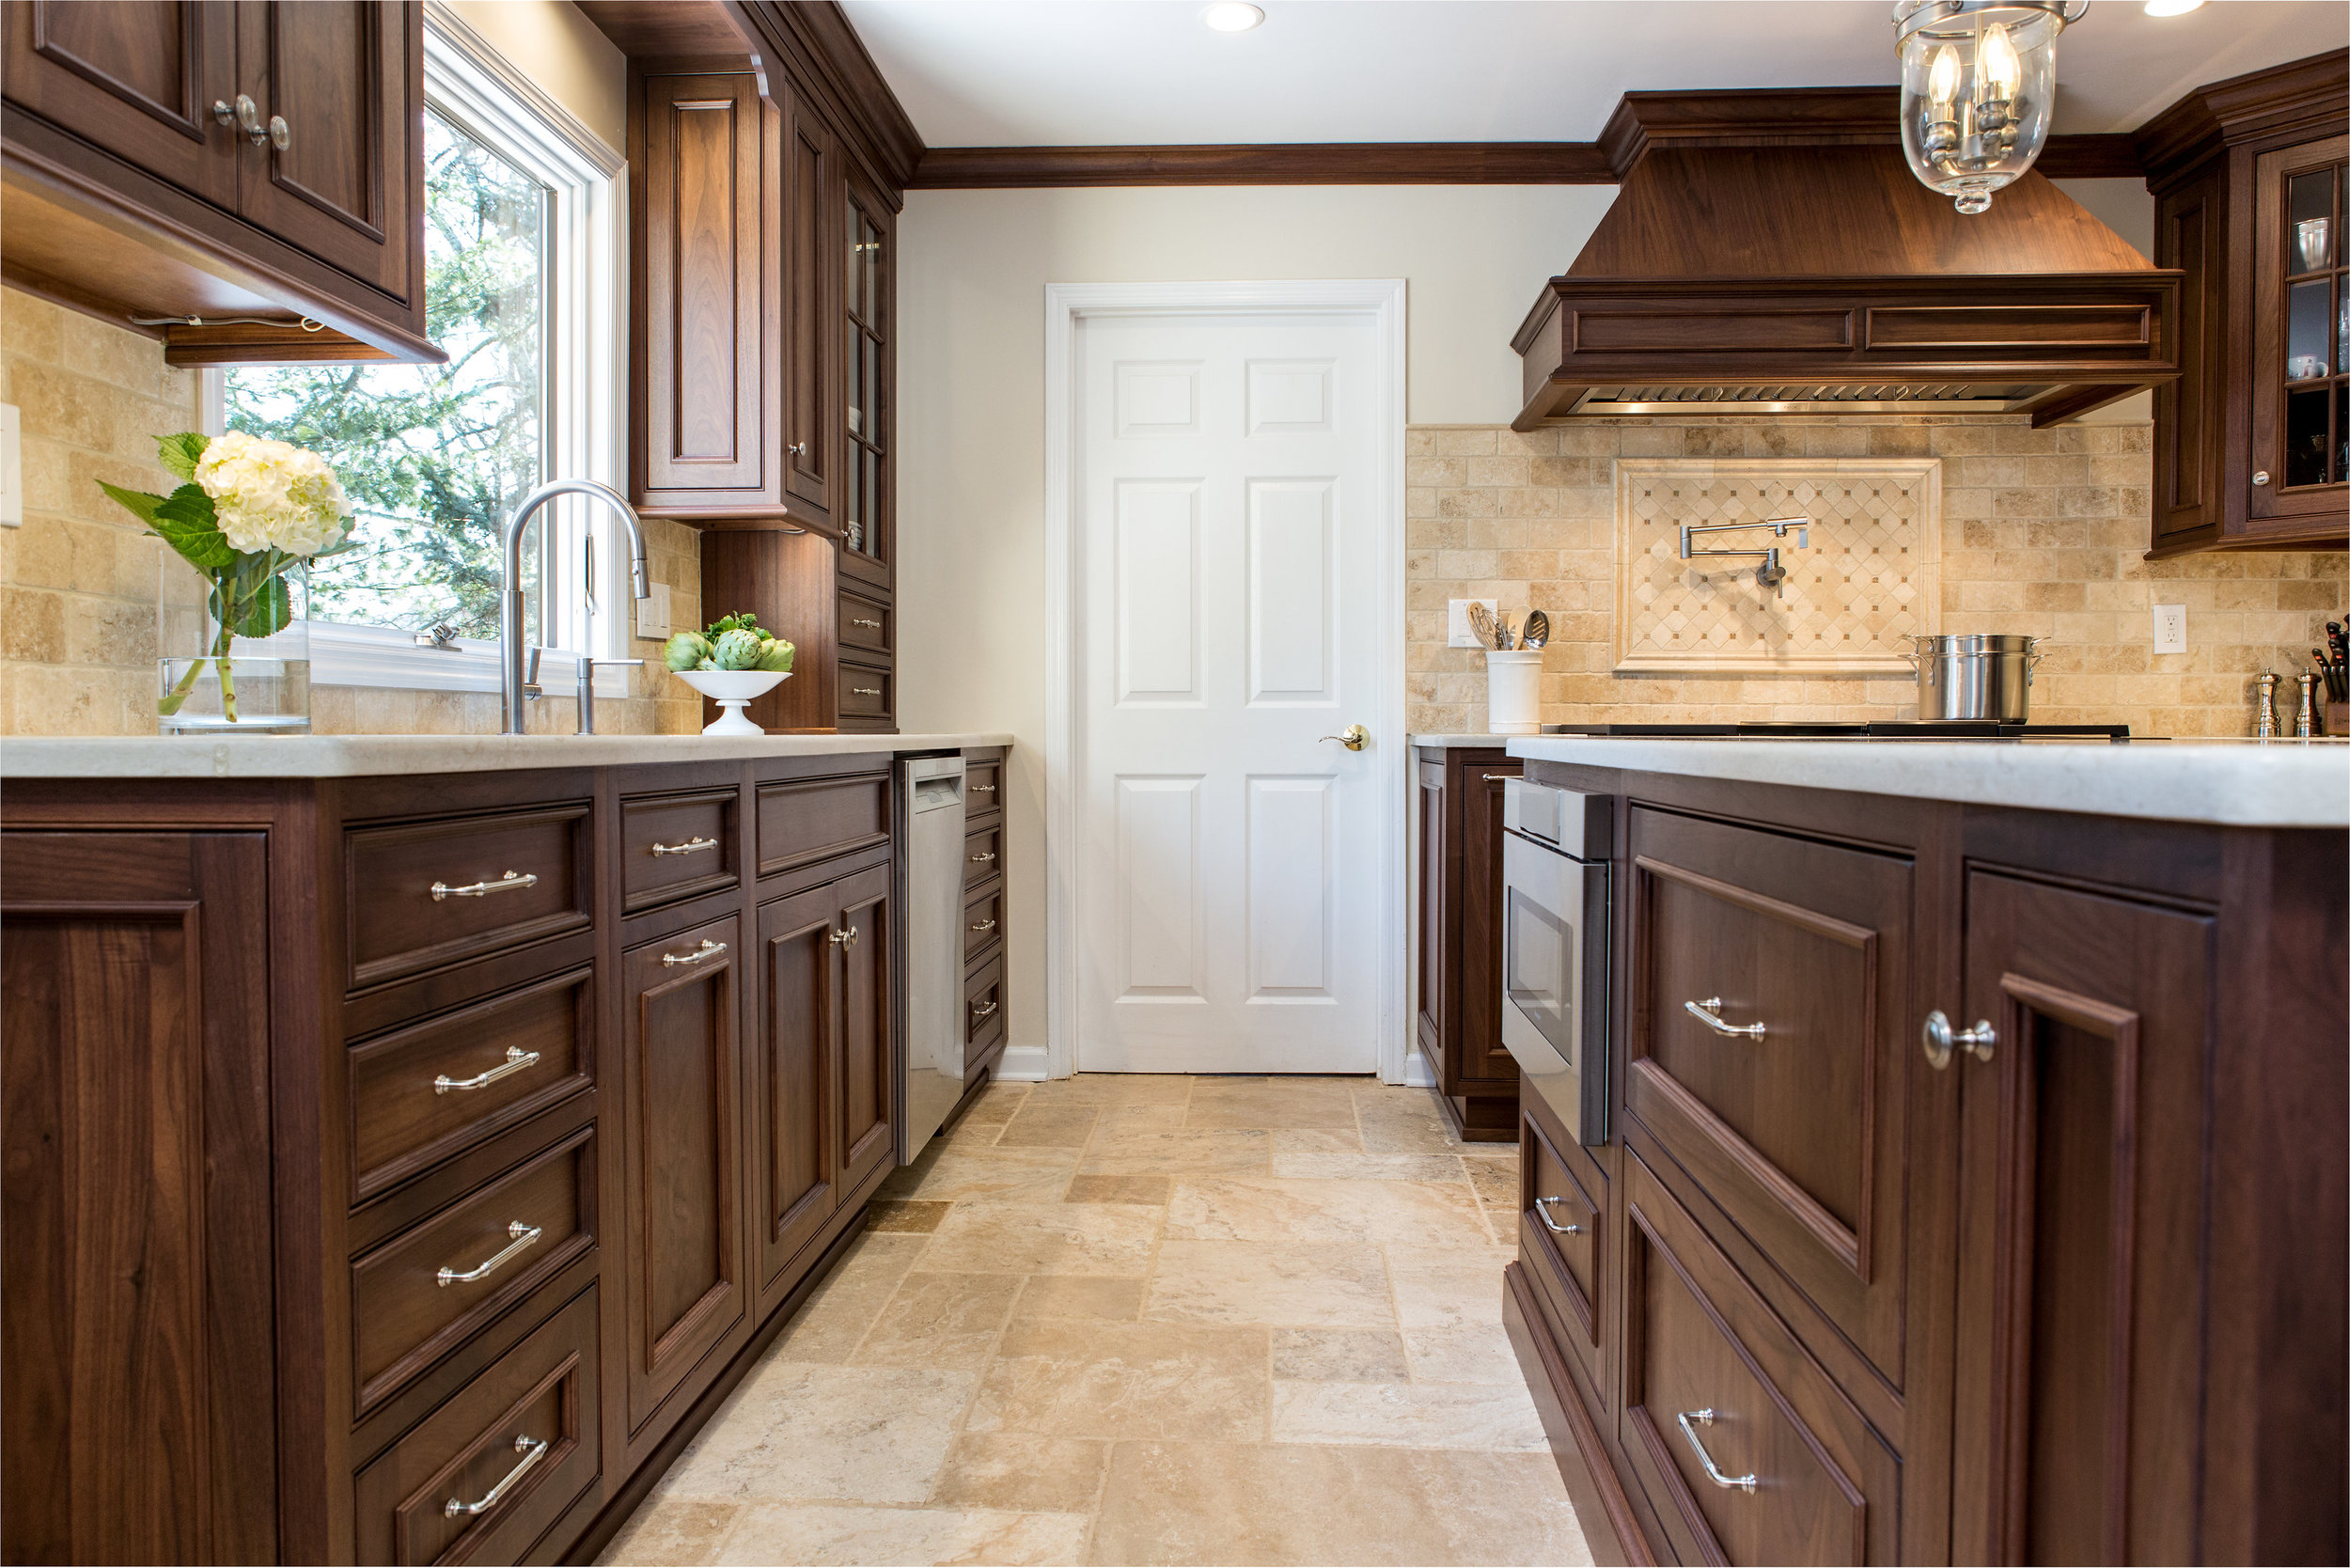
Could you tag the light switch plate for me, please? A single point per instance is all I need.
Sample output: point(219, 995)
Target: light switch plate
point(1457, 633)
point(11, 470)
point(652, 613)
point(2170, 628)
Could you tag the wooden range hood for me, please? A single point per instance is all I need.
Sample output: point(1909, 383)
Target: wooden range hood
point(1771, 253)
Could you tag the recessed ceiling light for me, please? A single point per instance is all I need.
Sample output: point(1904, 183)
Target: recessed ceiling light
point(1232, 16)
point(2171, 7)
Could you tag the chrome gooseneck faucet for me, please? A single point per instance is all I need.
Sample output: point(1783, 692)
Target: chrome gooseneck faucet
point(1770, 574)
point(513, 682)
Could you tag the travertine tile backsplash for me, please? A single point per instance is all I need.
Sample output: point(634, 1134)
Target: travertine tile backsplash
point(2043, 532)
point(80, 581)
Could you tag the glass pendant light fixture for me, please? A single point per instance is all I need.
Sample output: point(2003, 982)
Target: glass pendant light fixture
point(1978, 81)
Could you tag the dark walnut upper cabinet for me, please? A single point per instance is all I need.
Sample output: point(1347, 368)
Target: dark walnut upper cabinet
point(1459, 1023)
point(139, 184)
point(2252, 183)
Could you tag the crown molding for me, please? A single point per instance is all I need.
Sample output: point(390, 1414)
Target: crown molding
point(2284, 103)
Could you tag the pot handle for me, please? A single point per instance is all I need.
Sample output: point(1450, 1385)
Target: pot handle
point(2034, 655)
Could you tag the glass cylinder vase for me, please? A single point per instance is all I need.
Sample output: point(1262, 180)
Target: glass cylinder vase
point(212, 681)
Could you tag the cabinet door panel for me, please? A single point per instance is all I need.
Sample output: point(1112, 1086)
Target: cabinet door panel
point(345, 75)
point(686, 1278)
point(2079, 1382)
point(1481, 1054)
point(136, 1345)
point(811, 282)
point(136, 77)
point(799, 1023)
point(867, 1026)
point(1435, 916)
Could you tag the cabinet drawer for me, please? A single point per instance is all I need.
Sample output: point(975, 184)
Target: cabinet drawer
point(864, 692)
point(1713, 1377)
point(423, 894)
point(983, 855)
point(983, 1010)
point(409, 1304)
point(526, 1430)
point(1767, 1051)
point(984, 924)
point(863, 623)
point(982, 788)
point(423, 1094)
point(808, 820)
point(677, 847)
point(1559, 1238)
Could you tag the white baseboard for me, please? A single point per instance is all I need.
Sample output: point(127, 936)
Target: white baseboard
point(1418, 1074)
point(1026, 1064)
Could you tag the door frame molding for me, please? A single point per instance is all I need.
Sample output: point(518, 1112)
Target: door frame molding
point(1065, 305)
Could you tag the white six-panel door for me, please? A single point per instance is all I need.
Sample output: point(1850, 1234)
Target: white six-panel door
point(1225, 542)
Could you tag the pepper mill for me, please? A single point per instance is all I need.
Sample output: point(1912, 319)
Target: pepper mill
point(2265, 706)
point(2305, 722)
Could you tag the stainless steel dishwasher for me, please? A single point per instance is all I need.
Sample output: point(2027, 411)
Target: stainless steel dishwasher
point(930, 799)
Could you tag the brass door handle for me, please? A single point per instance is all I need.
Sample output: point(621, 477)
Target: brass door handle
point(1353, 737)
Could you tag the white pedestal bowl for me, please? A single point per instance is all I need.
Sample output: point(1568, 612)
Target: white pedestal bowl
point(731, 689)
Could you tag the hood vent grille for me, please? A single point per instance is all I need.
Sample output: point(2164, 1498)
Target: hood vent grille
point(1813, 398)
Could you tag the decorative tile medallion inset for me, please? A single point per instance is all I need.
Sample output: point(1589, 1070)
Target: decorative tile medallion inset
point(1871, 572)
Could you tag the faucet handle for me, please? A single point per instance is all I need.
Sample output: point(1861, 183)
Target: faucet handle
point(587, 686)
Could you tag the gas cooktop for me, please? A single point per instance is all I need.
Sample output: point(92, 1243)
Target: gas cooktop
point(1874, 729)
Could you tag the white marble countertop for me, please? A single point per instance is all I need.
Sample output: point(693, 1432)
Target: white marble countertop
point(1451, 741)
point(2244, 783)
point(369, 755)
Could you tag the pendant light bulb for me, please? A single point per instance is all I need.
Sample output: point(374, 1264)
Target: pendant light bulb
point(1997, 72)
point(1942, 81)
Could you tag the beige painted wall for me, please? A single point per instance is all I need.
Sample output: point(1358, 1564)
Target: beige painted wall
point(560, 49)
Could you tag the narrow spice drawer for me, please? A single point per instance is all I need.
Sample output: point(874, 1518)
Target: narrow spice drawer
point(983, 855)
point(481, 1478)
point(423, 1094)
point(863, 623)
point(984, 924)
point(983, 1010)
point(420, 895)
point(864, 692)
point(678, 847)
point(1559, 1224)
point(802, 821)
point(428, 1287)
point(982, 788)
point(1743, 1445)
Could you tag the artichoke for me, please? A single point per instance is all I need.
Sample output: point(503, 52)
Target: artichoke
point(736, 649)
point(775, 656)
point(686, 651)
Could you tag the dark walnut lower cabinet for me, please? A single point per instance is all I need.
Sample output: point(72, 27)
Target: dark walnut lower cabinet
point(2066, 1285)
point(402, 1169)
point(1458, 1027)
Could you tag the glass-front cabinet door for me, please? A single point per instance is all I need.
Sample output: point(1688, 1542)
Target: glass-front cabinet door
point(867, 516)
point(2301, 337)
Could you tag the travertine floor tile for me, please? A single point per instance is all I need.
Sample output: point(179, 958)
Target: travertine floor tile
point(1183, 1151)
point(1316, 1140)
point(845, 1306)
point(1473, 1353)
point(893, 1535)
point(1119, 1120)
point(1328, 1284)
point(669, 1531)
point(1227, 1503)
point(911, 1216)
point(1376, 1167)
point(1118, 1089)
point(941, 1320)
point(1339, 1355)
point(797, 1431)
point(1497, 1183)
point(1153, 1188)
point(1159, 1380)
point(1044, 1238)
point(1407, 1414)
point(1080, 1296)
point(1447, 1287)
point(1048, 1126)
point(1270, 1103)
point(1023, 1473)
point(1419, 1214)
point(994, 1107)
point(1006, 1175)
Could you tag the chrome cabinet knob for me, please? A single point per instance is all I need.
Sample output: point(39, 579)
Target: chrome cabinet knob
point(280, 135)
point(1940, 1039)
point(2260, 478)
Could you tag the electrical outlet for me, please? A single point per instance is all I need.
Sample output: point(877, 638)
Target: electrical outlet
point(2170, 628)
point(1457, 633)
point(652, 613)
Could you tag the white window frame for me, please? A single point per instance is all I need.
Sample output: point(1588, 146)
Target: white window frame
point(474, 86)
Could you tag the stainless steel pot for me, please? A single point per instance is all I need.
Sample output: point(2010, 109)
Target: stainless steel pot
point(1975, 677)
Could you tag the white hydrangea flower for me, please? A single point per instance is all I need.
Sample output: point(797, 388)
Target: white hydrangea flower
point(272, 496)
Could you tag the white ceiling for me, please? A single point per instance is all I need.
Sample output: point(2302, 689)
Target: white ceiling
point(1045, 72)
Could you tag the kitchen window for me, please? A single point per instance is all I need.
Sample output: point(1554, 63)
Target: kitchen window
point(523, 270)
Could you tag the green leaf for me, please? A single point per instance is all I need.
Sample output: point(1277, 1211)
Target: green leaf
point(180, 454)
point(186, 520)
point(268, 611)
point(137, 502)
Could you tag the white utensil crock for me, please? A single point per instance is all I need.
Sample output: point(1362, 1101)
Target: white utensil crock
point(1513, 682)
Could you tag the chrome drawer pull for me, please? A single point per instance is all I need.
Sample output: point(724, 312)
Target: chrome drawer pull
point(982, 859)
point(1705, 1418)
point(1709, 1012)
point(981, 1010)
point(1541, 1212)
point(483, 890)
point(865, 691)
point(687, 848)
point(982, 789)
point(523, 1234)
point(707, 950)
point(516, 1059)
point(983, 925)
point(860, 620)
point(1940, 1039)
point(532, 1451)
